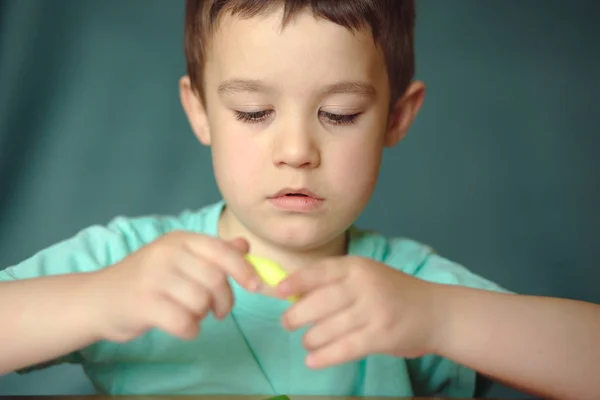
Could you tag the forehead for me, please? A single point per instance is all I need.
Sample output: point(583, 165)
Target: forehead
point(307, 52)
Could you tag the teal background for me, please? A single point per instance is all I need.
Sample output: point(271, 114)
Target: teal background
point(498, 173)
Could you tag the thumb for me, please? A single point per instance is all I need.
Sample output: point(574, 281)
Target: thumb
point(241, 244)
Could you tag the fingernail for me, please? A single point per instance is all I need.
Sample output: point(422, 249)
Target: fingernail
point(284, 322)
point(283, 288)
point(254, 285)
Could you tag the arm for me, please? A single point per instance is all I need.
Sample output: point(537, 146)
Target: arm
point(545, 346)
point(46, 307)
point(66, 297)
point(44, 318)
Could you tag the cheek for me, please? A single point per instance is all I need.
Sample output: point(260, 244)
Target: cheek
point(359, 159)
point(236, 161)
point(357, 168)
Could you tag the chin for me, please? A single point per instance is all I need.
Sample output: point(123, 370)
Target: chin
point(299, 238)
point(297, 246)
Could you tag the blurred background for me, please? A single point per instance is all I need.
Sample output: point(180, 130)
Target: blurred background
point(498, 173)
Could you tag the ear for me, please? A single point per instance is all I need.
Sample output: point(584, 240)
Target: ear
point(404, 112)
point(195, 110)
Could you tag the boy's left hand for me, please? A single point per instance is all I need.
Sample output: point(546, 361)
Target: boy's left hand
point(356, 307)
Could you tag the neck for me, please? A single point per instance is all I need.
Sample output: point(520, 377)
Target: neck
point(290, 258)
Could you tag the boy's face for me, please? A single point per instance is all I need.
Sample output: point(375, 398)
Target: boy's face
point(297, 120)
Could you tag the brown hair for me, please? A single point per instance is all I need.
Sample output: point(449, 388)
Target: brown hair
point(391, 23)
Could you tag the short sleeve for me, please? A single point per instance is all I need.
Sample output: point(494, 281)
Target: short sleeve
point(441, 270)
point(91, 249)
point(95, 247)
point(436, 376)
point(433, 375)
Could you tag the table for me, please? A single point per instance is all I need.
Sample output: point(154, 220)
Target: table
point(210, 397)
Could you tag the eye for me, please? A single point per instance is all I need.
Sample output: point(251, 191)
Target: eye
point(340, 119)
point(252, 117)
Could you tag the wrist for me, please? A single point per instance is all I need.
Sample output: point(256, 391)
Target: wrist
point(92, 299)
point(445, 307)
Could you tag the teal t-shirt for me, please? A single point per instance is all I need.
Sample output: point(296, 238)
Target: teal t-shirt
point(248, 352)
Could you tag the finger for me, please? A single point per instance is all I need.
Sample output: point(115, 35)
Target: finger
point(188, 293)
point(331, 329)
point(308, 278)
point(241, 244)
point(318, 305)
point(226, 257)
point(208, 279)
point(214, 280)
point(174, 319)
point(352, 346)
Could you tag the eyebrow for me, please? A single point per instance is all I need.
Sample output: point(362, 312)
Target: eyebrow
point(233, 86)
point(352, 87)
point(242, 85)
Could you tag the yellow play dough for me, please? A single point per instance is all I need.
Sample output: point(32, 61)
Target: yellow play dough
point(269, 271)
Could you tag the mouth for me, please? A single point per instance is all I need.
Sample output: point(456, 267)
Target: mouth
point(301, 193)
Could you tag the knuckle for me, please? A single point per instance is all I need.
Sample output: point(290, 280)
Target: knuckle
point(148, 282)
point(330, 263)
point(382, 324)
point(349, 347)
point(171, 241)
point(220, 247)
point(201, 303)
point(156, 252)
point(181, 326)
point(218, 283)
point(176, 322)
point(338, 294)
point(386, 321)
point(175, 235)
point(348, 319)
point(310, 339)
point(356, 271)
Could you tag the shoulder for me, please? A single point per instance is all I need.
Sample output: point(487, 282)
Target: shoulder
point(416, 259)
point(144, 229)
point(98, 246)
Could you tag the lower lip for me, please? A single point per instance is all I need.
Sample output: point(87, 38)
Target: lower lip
point(297, 203)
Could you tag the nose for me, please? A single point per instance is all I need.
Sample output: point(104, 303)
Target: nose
point(297, 148)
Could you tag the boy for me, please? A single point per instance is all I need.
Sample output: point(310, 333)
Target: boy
point(297, 100)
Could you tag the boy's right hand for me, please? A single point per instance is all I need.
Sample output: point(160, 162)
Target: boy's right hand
point(170, 284)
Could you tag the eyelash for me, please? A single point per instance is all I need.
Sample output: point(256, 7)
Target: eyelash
point(256, 117)
point(341, 119)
